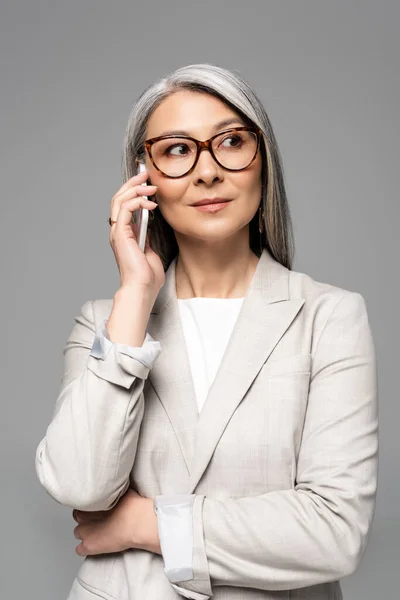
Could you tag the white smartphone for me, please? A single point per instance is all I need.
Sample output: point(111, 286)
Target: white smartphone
point(140, 217)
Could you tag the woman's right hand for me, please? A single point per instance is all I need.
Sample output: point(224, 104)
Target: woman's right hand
point(137, 269)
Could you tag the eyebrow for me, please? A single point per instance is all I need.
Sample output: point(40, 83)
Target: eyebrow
point(215, 128)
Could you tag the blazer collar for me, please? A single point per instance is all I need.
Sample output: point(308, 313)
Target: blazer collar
point(265, 315)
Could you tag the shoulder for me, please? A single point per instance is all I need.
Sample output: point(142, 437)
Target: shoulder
point(337, 319)
point(323, 299)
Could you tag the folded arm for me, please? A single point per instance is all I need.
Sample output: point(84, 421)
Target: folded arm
point(317, 531)
point(87, 454)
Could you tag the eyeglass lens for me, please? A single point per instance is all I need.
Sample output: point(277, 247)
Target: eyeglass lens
point(175, 156)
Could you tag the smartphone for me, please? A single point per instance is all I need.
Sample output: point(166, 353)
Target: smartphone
point(140, 217)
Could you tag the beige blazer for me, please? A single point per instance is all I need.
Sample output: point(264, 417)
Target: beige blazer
point(282, 458)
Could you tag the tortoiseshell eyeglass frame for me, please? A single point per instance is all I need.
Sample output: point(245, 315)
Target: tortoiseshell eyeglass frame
point(200, 146)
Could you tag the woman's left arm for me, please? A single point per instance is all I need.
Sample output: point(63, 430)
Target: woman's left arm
point(317, 531)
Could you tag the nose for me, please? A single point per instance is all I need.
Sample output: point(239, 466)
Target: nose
point(207, 170)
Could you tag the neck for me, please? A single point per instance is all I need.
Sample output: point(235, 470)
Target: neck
point(212, 274)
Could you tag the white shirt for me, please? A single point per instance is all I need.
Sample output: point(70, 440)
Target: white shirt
point(207, 326)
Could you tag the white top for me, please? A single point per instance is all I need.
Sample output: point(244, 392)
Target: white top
point(207, 326)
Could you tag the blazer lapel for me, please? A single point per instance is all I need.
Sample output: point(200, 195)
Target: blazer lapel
point(266, 313)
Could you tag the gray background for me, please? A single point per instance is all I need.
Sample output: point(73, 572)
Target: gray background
point(327, 73)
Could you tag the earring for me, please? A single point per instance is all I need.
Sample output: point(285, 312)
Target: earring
point(261, 227)
point(260, 220)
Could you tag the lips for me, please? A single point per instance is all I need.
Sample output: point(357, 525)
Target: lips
point(210, 201)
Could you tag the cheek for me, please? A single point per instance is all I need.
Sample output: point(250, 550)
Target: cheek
point(247, 183)
point(171, 199)
point(252, 186)
point(170, 193)
point(249, 191)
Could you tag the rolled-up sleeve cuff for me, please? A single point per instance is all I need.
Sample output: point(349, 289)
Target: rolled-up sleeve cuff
point(120, 363)
point(182, 544)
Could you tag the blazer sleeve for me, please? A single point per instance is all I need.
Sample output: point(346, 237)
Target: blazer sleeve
point(316, 532)
point(84, 460)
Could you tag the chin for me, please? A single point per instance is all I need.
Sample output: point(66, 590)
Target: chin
point(214, 235)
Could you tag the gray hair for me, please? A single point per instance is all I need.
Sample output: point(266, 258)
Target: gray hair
point(235, 92)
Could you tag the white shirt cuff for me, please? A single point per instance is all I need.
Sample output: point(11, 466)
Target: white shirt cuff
point(175, 528)
point(146, 354)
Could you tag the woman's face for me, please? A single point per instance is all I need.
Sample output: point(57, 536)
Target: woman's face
point(198, 115)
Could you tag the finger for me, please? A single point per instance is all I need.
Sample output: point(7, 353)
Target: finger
point(135, 180)
point(79, 517)
point(133, 192)
point(142, 191)
point(87, 516)
point(127, 215)
point(124, 216)
point(136, 192)
point(143, 181)
point(80, 551)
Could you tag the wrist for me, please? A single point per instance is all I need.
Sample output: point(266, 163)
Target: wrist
point(129, 317)
point(141, 296)
point(149, 538)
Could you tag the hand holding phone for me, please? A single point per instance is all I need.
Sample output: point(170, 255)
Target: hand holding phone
point(138, 265)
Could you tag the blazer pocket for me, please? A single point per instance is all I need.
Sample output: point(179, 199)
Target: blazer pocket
point(295, 364)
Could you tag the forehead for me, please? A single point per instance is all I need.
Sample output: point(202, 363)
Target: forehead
point(192, 112)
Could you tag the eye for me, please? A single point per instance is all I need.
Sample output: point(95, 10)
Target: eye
point(180, 149)
point(237, 141)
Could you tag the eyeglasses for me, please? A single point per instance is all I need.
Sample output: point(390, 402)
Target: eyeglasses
point(233, 149)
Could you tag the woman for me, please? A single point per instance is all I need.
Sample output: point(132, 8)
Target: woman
point(216, 431)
